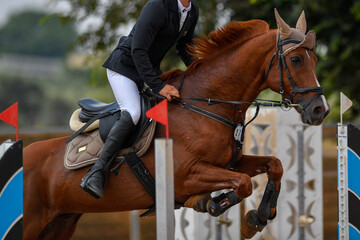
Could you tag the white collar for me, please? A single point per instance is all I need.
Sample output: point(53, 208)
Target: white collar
point(183, 9)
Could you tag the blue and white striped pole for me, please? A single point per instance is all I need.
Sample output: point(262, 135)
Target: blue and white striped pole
point(348, 160)
point(11, 190)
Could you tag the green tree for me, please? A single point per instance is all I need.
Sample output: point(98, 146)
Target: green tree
point(338, 39)
point(115, 16)
point(29, 95)
point(28, 33)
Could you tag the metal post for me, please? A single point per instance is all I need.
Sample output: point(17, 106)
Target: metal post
point(134, 225)
point(301, 181)
point(164, 171)
point(343, 207)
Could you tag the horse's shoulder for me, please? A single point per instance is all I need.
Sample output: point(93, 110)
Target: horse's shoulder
point(44, 145)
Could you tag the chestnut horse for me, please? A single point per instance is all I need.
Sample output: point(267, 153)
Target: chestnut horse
point(235, 63)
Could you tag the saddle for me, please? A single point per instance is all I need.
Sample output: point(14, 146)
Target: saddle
point(92, 123)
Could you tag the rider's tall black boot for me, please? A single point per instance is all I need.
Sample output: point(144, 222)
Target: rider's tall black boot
point(95, 179)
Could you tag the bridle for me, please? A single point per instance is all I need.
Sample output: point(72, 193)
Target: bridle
point(295, 89)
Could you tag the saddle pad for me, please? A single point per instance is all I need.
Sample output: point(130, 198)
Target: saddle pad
point(85, 149)
point(76, 124)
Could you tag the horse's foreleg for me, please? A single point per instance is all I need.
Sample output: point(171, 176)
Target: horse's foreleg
point(206, 178)
point(256, 220)
point(214, 206)
point(64, 224)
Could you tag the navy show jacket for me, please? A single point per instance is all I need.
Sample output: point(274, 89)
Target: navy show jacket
point(138, 55)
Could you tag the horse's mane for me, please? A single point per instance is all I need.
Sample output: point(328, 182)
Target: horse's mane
point(223, 38)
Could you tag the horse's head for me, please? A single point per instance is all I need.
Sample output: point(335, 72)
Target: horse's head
point(294, 77)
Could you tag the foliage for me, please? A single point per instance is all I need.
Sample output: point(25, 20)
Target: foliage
point(49, 102)
point(114, 18)
point(338, 40)
point(335, 23)
point(44, 100)
point(28, 33)
point(23, 93)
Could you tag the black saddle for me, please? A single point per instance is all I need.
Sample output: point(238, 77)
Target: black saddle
point(91, 107)
point(109, 113)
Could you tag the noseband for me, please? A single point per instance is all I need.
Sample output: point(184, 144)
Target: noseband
point(295, 89)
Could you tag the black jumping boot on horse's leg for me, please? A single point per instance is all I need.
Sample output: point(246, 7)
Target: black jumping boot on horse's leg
point(95, 179)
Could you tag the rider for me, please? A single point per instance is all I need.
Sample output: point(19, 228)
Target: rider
point(136, 60)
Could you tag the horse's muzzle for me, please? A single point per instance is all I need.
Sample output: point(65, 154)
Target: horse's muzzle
point(315, 112)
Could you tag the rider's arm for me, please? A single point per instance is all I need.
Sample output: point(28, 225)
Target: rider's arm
point(182, 50)
point(151, 19)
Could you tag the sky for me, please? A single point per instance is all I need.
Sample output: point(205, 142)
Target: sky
point(9, 7)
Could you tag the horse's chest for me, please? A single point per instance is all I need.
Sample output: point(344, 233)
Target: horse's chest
point(216, 153)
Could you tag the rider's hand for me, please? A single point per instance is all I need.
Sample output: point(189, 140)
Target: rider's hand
point(169, 91)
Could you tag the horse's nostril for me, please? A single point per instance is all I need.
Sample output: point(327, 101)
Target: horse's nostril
point(318, 110)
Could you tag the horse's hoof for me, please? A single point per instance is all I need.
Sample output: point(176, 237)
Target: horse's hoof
point(251, 224)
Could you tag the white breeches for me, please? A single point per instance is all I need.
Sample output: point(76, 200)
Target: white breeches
point(126, 94)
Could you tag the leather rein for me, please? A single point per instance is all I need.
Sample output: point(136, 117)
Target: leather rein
point(239, 128)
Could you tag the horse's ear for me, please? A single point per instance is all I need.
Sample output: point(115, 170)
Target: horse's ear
point(283, 28)
point(301, 23)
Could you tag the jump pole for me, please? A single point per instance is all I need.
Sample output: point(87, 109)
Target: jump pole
point(164, 171)
point(348, 160)
point(343, 210)
point(11, 180)
point(164, 176)
point(11, 190)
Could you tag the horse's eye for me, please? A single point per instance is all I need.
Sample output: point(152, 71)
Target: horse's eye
point(295, 61)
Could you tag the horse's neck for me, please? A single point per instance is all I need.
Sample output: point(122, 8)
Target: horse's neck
point(235, 74)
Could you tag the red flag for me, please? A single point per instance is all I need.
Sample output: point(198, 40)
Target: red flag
point(10, 116)
point(159, 113)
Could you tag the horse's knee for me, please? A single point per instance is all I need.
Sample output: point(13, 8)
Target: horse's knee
point(243, 186)
point(275, 169)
